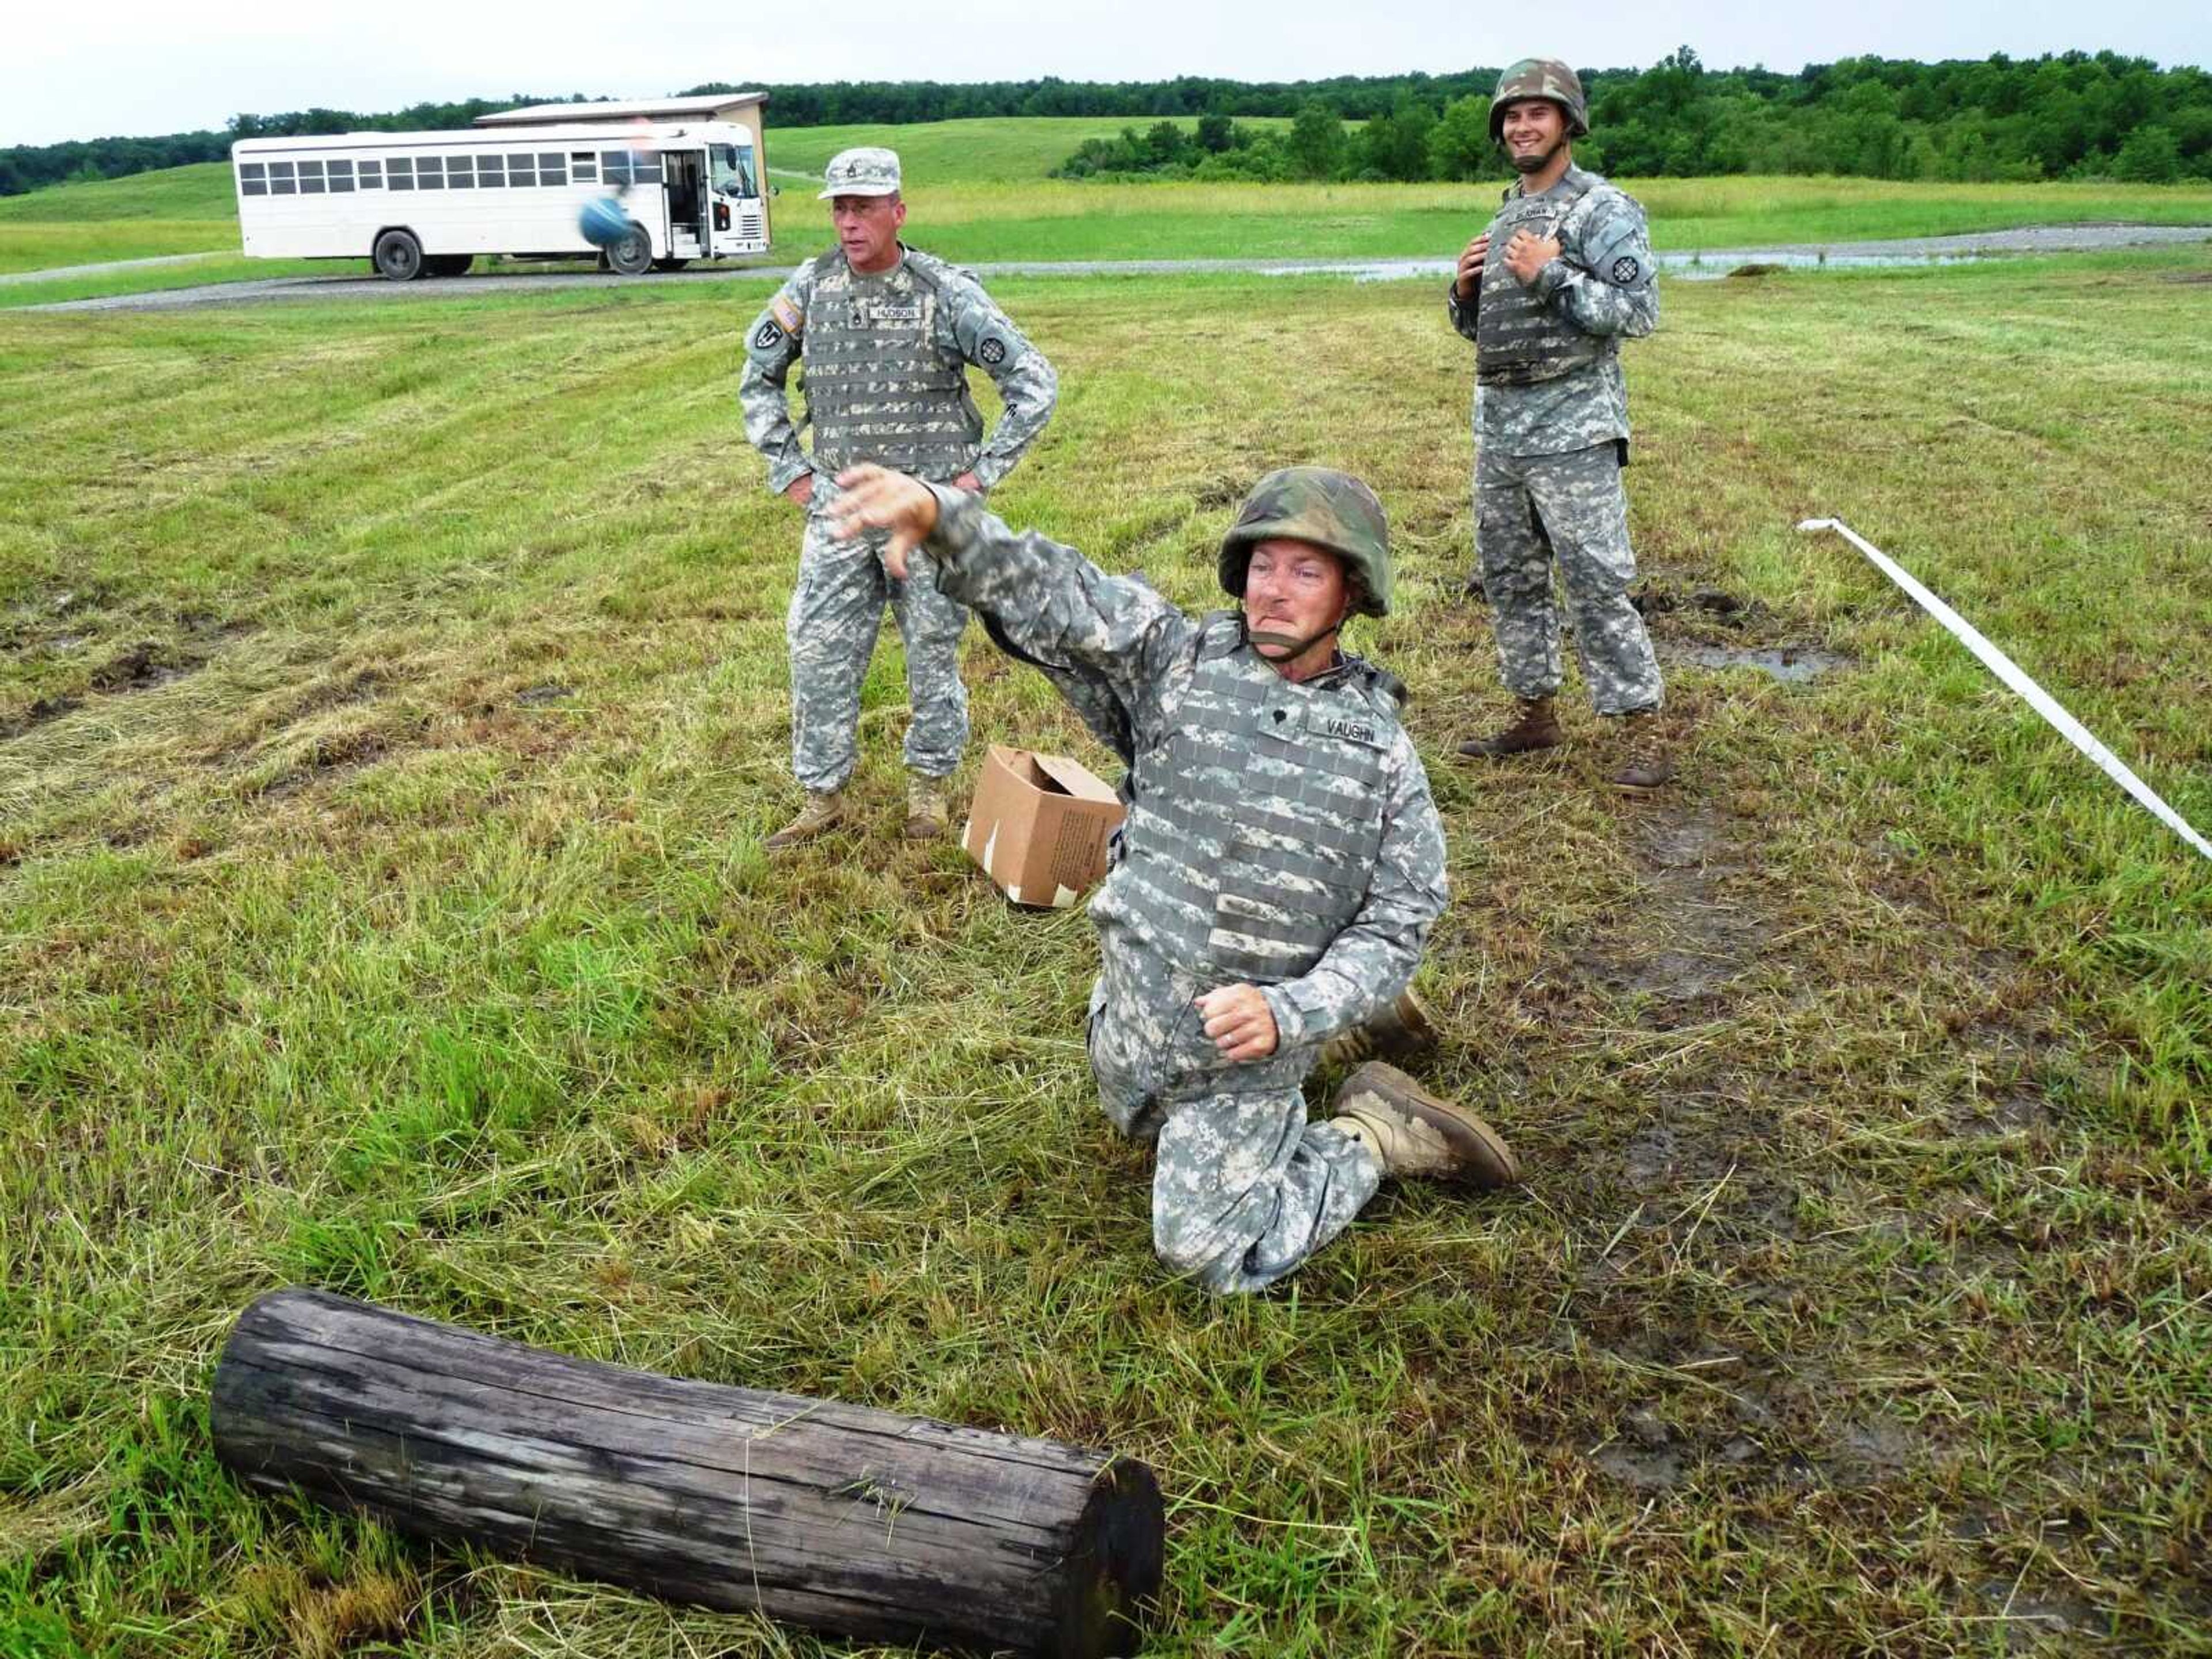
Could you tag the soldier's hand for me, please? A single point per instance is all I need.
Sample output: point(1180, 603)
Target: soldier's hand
point(1470, 265)
point(801, 490)
point(1529, 253)
point(969, 482)
point(877, 498)
point(1240, 1022)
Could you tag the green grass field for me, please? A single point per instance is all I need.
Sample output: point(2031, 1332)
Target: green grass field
point(979, 192)
point(392, 701)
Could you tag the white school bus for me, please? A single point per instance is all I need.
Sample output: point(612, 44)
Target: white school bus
point(428, 203)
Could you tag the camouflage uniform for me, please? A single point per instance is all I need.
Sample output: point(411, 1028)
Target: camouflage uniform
point(1551, 424)
point(1244, 1188)
point(885, 364)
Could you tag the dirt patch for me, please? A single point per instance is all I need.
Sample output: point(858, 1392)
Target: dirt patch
point(1689, 937)
point(1793, 664)
point(340, 752)
point(141, 667)
point(39, 712)
point(537, 697)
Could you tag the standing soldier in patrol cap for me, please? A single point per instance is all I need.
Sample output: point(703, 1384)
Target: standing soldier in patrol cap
point(886, 334)
point(1547, 293)
point(1280, 865)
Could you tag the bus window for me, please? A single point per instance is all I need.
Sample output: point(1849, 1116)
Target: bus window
point(253, 178)
point(520, 171)
point(402, 169)
point(371, 175)
point(460, 173)
point(429, 174)
point(341, 177)
point(734, 171)
point(549, 168)
point(583, 166)
point(311, 178)
point(280, 180)
point(489, 173)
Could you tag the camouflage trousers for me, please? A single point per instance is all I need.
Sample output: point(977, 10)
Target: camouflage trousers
point(1530, 510)
point(1244, 1189)
point(836, 612)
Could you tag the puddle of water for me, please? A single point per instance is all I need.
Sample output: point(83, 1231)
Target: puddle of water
point(1792, 664)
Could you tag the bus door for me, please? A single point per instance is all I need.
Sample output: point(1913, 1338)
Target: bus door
point(683, 172)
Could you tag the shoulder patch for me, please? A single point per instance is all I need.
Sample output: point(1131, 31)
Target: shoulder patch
point(993, 351)
point(768, 336)
point(789, 316)
point(1625, 271)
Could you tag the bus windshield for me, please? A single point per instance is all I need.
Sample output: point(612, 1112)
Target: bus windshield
point(734, 171)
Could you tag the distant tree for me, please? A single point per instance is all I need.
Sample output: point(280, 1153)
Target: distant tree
point(1216, 131)
point(2148, 156)
point(1459, 143)
point(1317, 142)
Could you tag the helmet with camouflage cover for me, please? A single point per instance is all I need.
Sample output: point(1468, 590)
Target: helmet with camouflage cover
point(1541, 77)
point(1321, 505)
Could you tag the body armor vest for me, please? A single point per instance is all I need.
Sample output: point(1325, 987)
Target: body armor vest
point(879, 386)
point(1256, 821)
point(1518, 338)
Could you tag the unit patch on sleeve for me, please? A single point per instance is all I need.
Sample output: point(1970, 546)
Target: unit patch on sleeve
point(993, 351)
point(768, 336)
point(1625, 271)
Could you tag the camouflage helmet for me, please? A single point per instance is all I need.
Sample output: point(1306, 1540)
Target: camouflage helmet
point(1540, 77)
point(1321, 505)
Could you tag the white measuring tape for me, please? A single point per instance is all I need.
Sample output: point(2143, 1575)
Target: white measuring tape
point(2008, 671)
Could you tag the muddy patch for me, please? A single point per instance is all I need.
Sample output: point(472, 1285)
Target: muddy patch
point(1690, 935)
point(538, 697)
point(1792, 665)
point(141, 667)
point(1716, 604)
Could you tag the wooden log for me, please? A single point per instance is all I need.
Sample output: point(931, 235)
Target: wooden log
point(842, 1518)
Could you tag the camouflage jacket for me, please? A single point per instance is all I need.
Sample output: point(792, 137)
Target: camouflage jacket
point(967, 323)
point(1124, 656)
point(1603, 283)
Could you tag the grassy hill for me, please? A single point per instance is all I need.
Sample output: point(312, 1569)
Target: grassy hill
point(950, 152)
point(981, 192)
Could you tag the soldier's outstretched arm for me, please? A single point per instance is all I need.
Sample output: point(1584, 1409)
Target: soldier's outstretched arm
point(772, 346)
point(1029, 387)
point(1608, 284)
point(1371, 961)
point(1047, 599)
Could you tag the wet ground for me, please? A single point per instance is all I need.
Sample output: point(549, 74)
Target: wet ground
point(1703, 263)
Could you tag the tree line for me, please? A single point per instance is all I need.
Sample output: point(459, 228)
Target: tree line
point(2076, 115)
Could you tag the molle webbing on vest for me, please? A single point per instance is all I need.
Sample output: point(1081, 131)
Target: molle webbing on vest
point(878, 387)
point(1257, 823)
point(1518, 338)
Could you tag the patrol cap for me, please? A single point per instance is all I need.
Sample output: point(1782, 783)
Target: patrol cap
point(1319, 505)
point(1541, 77)
point(867, 171)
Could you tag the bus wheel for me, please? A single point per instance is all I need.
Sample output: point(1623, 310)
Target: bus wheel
point(670, 265)
point(633, 255)
point(399, 256)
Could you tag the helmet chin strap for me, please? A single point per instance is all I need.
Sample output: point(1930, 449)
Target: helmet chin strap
point(1290, 644)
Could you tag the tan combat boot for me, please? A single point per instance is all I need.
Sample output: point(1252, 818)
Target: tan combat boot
point(1412, 1132)
point(1536, 727)
point(824, 810)
point(926, 814)
point(1644, 765)
point(1401, 1032)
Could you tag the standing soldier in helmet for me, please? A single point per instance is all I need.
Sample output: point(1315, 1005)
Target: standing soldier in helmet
point(1547, 293)
point(885, 335)
point(1280, 865)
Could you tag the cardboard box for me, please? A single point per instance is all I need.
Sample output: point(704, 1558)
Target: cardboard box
point(1038, 826)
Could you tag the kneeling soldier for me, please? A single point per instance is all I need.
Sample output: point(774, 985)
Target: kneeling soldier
point(1281, 863)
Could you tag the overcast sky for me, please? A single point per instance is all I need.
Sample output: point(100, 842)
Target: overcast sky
point(131, 67)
